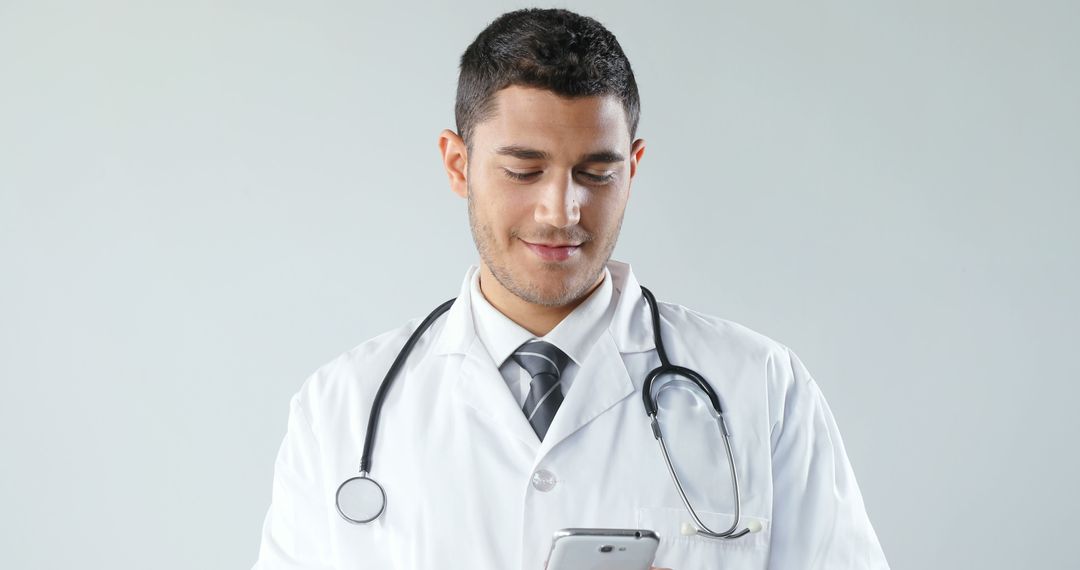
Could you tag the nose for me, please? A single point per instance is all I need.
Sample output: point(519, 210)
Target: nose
point(558, 203)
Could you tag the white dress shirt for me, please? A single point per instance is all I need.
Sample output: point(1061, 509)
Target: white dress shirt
point(575, 334)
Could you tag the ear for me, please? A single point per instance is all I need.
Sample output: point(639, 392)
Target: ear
point(455, 160)
point(637, 150)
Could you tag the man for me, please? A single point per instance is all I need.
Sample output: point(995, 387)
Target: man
point(519, 411)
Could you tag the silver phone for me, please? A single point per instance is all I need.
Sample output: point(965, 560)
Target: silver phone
point(602, 549)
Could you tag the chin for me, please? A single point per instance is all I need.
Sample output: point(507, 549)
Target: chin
point(559, 291)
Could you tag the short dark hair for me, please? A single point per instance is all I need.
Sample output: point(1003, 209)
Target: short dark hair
point(553, 49)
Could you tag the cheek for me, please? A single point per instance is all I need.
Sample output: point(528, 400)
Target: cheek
point(509, 209)
point(602, 213)
point(502, 213)
point(508, 215)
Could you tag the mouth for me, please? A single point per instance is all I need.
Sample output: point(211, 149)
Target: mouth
point(553, 251)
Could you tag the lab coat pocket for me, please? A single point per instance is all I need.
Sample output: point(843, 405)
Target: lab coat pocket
point(693, 552)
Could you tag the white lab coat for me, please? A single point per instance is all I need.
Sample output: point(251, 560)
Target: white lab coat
point(456, 456)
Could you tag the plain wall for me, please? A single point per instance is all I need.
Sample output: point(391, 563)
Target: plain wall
point(202, 202)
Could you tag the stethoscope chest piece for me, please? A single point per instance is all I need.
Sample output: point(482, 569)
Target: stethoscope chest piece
point(360, 499)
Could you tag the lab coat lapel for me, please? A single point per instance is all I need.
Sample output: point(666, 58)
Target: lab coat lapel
point(481, 386)
point(600, 383)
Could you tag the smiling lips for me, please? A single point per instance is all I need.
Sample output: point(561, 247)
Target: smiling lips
point(553, 252)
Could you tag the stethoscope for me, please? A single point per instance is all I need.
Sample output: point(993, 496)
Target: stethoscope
point(361, 499)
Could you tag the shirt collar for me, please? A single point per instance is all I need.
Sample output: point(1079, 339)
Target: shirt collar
point(575, 334)
point(630, 325)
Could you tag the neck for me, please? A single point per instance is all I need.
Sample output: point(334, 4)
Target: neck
point(537, 319)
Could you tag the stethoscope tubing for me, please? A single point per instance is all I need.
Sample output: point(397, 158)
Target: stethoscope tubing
point(648, 400)
point(391, 374)
point(651, 409)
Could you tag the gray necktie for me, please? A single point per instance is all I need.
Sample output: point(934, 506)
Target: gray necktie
point(545, 363)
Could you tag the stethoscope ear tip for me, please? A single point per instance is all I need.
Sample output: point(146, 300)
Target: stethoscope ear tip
point(688, 529)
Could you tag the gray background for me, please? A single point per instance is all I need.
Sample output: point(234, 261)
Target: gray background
point(201, 202)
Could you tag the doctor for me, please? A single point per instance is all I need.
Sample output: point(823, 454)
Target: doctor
point(483, 453)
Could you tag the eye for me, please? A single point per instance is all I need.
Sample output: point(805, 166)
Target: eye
point(598, 178)
point(519, 175)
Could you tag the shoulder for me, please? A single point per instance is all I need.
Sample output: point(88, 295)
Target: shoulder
point(355, 374)
point(733, 336)
point(750, 354)
point(770, 361)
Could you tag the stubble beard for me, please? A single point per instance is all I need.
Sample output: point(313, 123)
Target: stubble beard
point(485, 241)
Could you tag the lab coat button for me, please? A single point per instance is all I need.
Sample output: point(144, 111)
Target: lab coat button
point(543, 480)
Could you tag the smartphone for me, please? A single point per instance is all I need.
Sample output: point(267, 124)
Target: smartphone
point(602, 549)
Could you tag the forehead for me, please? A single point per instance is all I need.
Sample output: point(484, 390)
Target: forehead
point(539, 118)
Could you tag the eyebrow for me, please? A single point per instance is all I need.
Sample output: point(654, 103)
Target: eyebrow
point(525, 153)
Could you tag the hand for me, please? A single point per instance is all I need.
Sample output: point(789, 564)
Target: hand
point(658, 568)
